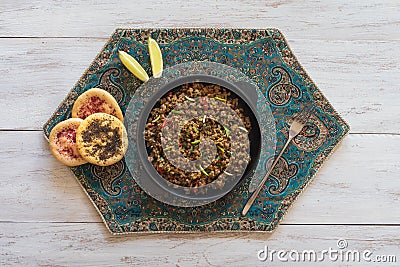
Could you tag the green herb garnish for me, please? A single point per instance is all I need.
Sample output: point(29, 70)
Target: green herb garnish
point(220, 148)
point(203, 171)
point(168, 148)
point(190, 99)
point(156, 119)
point(227, 131)
point(227, 173)
point(244, 129)
point(220, 99)
point(177, 112)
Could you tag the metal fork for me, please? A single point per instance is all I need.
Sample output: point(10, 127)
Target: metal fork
point(295, 128)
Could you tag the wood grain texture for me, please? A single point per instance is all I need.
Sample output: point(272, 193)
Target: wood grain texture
point(87, 244)
point(359, 78)
point(350, 49)
point(36, 188)
point(332, 20)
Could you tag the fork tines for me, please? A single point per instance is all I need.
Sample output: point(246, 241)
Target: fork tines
point(305, 114)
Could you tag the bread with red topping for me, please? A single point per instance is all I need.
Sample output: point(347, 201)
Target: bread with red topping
point(62, 141)
point(96, 100)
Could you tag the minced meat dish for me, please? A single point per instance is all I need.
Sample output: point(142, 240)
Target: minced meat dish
point(192, 132)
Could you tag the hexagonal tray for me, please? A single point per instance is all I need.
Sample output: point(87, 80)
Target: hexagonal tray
point(263, 55)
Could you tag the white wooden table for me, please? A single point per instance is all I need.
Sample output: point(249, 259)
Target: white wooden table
point(350, 48)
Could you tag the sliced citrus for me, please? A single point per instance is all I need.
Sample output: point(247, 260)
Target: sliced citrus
point(155, 58)
point(133, 66)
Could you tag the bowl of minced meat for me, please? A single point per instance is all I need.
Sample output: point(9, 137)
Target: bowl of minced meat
point(195, 130)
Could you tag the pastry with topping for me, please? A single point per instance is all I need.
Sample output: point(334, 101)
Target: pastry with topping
point(102, 139)
point(63, 142)
point(96, 100)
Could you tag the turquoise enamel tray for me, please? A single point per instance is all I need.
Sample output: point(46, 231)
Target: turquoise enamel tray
point(261, 54)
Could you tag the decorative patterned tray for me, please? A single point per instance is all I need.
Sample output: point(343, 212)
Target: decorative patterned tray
point(263, 55)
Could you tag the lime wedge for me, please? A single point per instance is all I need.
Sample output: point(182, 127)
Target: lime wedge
point(133, 66)
point(155, 58)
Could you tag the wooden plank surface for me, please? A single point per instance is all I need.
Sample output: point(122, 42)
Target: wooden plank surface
point(365, 72)
point(87, 244)
point(351, 50)
point(329, 20)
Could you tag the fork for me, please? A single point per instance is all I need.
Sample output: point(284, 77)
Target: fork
point(295, 128)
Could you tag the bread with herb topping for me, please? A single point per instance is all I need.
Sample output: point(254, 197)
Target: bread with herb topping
point(102, 139)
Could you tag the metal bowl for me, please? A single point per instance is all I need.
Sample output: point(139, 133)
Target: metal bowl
point(145, 99)
point(248, 101)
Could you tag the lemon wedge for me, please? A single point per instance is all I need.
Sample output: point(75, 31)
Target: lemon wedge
point(133, 66)
point(155, 58)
